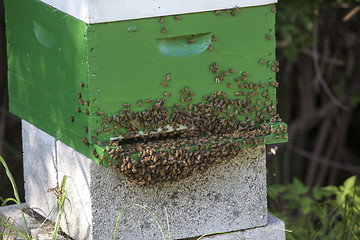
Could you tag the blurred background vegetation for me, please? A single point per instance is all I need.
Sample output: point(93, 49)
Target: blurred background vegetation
point(318, 47)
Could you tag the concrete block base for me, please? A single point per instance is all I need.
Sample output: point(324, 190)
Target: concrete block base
point(228, 197)
point(274, 230)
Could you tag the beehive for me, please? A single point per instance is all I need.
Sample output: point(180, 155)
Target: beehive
point(147, 88)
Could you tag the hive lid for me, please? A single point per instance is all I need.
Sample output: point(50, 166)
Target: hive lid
point(100, 11)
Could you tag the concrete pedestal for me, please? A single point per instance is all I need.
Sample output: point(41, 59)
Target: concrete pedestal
point(228, 197)
point(274, 230)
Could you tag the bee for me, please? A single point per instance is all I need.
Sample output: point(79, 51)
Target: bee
point(190, 41)
point(262, 61)
point(285, 136)
point(168, 77)
point(149, 100)
point(94, 151)
point(188, 99)
point(79, 95)
point(258, 102)
point(186, 88)
point(87, 103)
point(273, 68)
point(210, 47)
point(191, 94)
point(262, 84)
point(81, 101)
point(277, 62)
point(237, 80)
point(139, 103)
point(99, 143)
point(273, 150)
point(163, 30)
point(177, 17)
point(243, 78)
point(234, 11)
point(78, 110)
point(245, 74)
point(93, 138)
point(84, 140)
point(100, 113)
point(98, 131)
point(268, 36)
point(82, 84)
point(265, 93)
point(167, 94)
point(205, 98)
point(231, 70)
point(273, 9)
point(229, 85)
point(213, 38)
point(282, 127)
point(86, 129)
point(227, 10)
point(86, 111)
point(217, 79)
point(126, 105)
point(225, 73)
point(217, 12)
point(72, 119)
point(164, 83)
point(162, 19)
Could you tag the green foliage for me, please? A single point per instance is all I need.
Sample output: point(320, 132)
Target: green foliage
point(15, 228)
point(319, 213)
point(295, 20)
point(61, 201)
point(10, 226)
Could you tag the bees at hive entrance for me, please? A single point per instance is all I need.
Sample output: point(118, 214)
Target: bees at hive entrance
point(202, 135)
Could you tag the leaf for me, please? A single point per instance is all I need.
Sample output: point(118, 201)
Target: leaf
point(274, 190)
point(306, 205)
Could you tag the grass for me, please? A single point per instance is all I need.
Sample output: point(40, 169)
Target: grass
point(10, 224)
point(14, 228)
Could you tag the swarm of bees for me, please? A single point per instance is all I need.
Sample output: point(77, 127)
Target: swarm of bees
point(203, 135)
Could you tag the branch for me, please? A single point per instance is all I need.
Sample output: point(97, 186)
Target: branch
point(318, 71)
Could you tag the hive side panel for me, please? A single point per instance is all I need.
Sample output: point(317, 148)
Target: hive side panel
point(132, 61)
point(46, 63)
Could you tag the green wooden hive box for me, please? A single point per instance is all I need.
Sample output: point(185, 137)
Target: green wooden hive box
point(146, 86)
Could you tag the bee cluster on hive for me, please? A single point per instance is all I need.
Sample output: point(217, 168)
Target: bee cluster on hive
point(164, 143)
point(203, 134)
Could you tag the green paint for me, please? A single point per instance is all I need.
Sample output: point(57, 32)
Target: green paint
point(52, 57)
